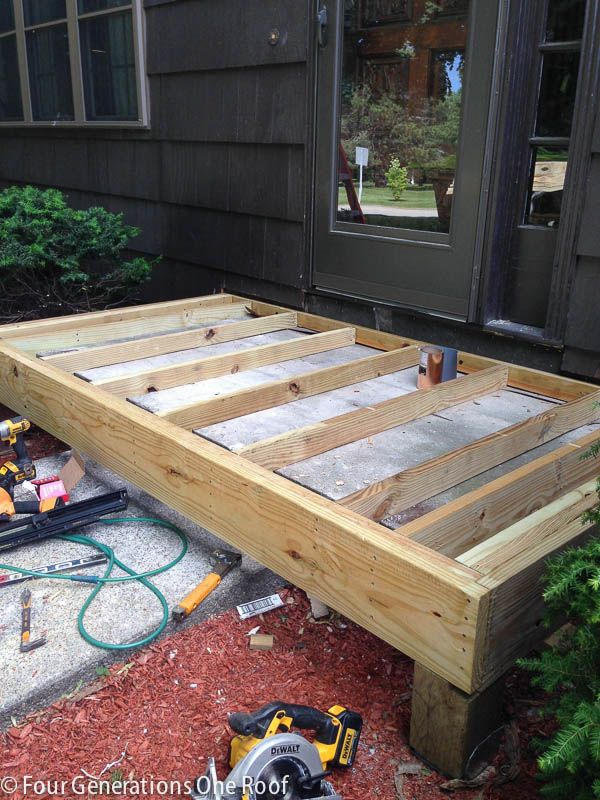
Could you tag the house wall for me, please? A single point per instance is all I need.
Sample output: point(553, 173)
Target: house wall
point(220, 183)
point(219, 179)
point(582, 340)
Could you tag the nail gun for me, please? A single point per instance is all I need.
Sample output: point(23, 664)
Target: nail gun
point(270, 763)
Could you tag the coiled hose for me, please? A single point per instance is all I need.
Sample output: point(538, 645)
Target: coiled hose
point(100, 582)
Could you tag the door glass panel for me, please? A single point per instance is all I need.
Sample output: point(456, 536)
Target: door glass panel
point(50, 73)
point(108, 64)
point(36, 12)
point(546, 186)
point(565, 20)
point(7, 20)
point(557, 93)
point(10, 89)
point(401, 105)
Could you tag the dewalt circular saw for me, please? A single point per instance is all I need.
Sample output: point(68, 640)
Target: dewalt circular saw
point(270, 763)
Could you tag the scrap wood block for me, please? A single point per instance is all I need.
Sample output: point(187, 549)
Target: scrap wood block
point(319, 609)
point(261, 641)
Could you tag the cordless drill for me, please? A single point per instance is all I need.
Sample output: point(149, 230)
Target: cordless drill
point(19, 469)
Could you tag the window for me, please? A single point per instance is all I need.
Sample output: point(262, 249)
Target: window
point(559, 50)
point(71, 62)
point(530, 252)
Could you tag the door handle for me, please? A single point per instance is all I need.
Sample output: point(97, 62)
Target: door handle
point(322, 26)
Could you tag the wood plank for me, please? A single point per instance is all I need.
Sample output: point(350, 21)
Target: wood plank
point(102, 356)
point(198, 369)
point(447, 725)
point(531, 380)
point(420, 602)
point(517, 608)
point(532, 538)
point(465, 522)
point(405, 489)
point(97, 334)
point(92, 318)
point(296, 445)
point(268, 395)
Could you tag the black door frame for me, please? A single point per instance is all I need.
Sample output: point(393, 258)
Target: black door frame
point(512, 135)
point(437, 244)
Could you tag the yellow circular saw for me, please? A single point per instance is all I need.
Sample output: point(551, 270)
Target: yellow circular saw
point(270, 763)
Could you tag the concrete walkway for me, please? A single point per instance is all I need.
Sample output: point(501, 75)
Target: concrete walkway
point(122, 612)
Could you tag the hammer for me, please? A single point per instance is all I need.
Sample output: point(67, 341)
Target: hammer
point(225, 561)
point(26, 644)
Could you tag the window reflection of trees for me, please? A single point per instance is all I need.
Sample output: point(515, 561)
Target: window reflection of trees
point(402, 77)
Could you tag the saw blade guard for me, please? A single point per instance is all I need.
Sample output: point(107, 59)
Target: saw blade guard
point(269, 761)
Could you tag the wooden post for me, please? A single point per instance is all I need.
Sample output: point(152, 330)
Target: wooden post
point(448, 725)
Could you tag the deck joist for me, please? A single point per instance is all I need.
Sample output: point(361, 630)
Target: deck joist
point(456, 587)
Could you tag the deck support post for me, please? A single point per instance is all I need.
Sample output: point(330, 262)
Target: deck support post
point(448, 725)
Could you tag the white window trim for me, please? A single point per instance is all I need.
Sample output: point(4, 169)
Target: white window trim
point(72, 21)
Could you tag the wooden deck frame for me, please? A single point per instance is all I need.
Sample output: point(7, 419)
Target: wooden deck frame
point(196, 369)
point(303, 443)
point(276, 393)
point(464, 623)
point(405, 489)
point(104, 355)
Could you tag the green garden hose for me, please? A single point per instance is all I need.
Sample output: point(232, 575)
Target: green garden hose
point(100, 582)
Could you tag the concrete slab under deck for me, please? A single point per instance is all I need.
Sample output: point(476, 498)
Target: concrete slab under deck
point(347, 469)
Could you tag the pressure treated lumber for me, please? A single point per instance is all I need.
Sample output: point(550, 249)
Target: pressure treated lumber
point(296, 445)
point(529, 539)
point(531, 380)
point(197, 369)
point(472, 518)
point(447, 725)
point(91, 319)
point(258, 398)
point(405, 489)
point(420, 602)
point(103, 355)
point(104, 332)
point(514, 577)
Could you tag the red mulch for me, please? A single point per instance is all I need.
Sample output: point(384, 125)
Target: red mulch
point(171, 707)
point(39, 443)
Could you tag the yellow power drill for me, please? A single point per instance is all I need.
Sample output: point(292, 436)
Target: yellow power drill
point(17, 470)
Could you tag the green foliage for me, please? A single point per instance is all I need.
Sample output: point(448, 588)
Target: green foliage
point(58, 260)
point(397, 178)
point(422, 138)
point(570, 761)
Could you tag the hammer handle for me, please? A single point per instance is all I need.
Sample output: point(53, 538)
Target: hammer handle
point(197, 595)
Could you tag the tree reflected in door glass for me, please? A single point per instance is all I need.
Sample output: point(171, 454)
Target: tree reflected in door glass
point(401, 99)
